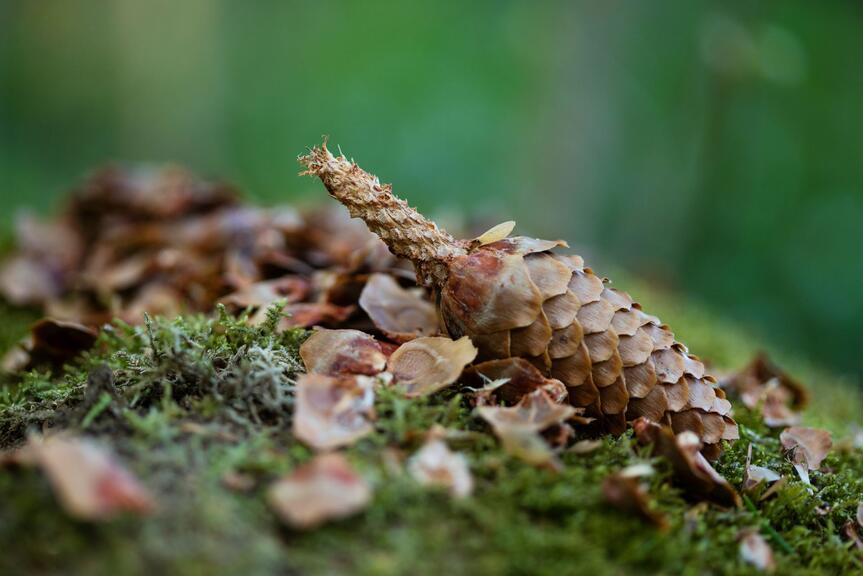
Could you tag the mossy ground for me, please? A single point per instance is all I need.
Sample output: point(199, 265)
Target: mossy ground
point(196, 398)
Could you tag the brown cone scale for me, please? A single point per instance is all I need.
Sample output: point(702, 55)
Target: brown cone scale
point(515, 297)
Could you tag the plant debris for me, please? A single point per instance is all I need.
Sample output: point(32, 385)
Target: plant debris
point(162, 241)
point(626, 493)
point(755, 550)
point(763, 384)
point(333, 411)
point(518, 426)
point(334, 352)
point(534, 412)
point(425, 365)
point(327, 488)
point(88, 481)
point(754, 476)
point(517, 377)
point(851, 532)
point(436, 465)
point(585, 446)
point(51, 342)
point(851, 528)
point(691, 470)
point(400, 314)
point(806, 447)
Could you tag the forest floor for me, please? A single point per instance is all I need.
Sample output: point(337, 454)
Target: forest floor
point(196, 420)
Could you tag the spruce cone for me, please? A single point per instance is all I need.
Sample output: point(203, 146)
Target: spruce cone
point(514, 297)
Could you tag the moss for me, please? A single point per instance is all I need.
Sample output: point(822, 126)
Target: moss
point(193, 399)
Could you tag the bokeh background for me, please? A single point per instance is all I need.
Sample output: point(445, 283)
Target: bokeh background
point(714, 148)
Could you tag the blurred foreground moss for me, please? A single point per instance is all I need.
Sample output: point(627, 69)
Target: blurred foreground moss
point(198, 398)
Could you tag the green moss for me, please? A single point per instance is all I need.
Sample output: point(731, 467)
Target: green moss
point(195, 398)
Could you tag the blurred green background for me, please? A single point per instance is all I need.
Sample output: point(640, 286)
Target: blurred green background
point(715, 148)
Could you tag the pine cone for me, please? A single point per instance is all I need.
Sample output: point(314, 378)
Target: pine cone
point(514, 297)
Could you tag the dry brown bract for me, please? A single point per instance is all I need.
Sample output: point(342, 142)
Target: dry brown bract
point(57, 342)
point(125, 238)
point(400, 314)
point(529, 447)
point(626, 493)
point(754, 550)
point(289, 289)
point(87, 480)
point(327, 488)
point(754, 476)
point(334, 352)
point(426, 365)
point(333, 411)
point(308, 314)
point(517, 377)
point(851, 529)
point(806, 447)
point(47, 254)
point(518, 426)
point(586, 446)
point(535, 412)
point(763, 383)
point(691, 470)
point(52, 342)
point(436, 465)
point(160, 240)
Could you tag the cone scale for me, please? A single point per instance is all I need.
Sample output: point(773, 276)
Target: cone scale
point(520, 297)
